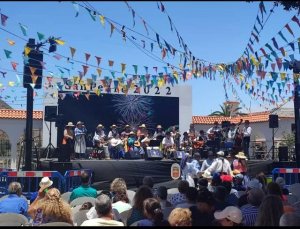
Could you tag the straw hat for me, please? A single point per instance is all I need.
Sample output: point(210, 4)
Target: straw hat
point(46, 182)
point(207, 175)
point(100, 126)
point(70, 124)
point(241, 155)
point(113, 125)
point(159, 127)
point(220, 153)
point(79, 123)
point(131, 133)
point(142, 126)
point(127, 126)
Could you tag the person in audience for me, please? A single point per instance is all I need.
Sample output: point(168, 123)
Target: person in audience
point(197, 166)
point(137, 214)
point(207, 162)
point(14, 203)
point(215, 181)
point(161, 194)
point(270, 211)
point(103, 208)
point(203, 212)
point(250, 210)
point(240, 163)
point(254, 183)
point(84, 189)
point(202, 182)
point(238, 182)
point(191, 197)
point(180, 217)
point(231, 195)
point(153, 213)
point(220, 165)
point(230, 216)
point(50, 207)
point(281, 182)
point(86, 206)
point(148, 181)
point(261, 177)
point(289, 220)
point(46, 182)
point(220, 195)
point(180, 197)
point(188, 170)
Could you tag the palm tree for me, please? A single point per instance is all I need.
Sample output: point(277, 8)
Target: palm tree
point(225, 111)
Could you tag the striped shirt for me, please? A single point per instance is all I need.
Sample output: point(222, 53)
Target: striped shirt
point(249, 213)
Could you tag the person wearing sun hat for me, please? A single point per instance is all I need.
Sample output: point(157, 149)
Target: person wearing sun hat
point(230, 216)
point(80, 144)
point(240, 163)
point(142, 131)
point(220, 165)
point(68, 143)
point(45, 184)
point(159, 134)
point(113, 131)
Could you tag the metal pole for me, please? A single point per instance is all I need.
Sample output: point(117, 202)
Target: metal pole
point(273, 144)
point(28, 136)
point(297, 124)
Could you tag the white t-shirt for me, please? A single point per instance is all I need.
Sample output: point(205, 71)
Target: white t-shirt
point(168, 141)
point(101, 222)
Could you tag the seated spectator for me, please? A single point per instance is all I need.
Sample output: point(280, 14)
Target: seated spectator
point(215, 181)
point(202, 183)
point(202, 213)
point(238, 182)
point(148, 181)
point(103, 208)
point(84, 189)
point(231, 195)
point(118, 193)
point(50, 207)
point(254, 183)
point(137, 214)
point(180, 197)
point(230, 216)
point(153, 213)
point(14, 203)
point(289, 220)
point(220, 196)
point(180, 217)
point(261, 177)
point(44, 182)
point(281, 182)
point(250, 210)
point(191, 196)
point(86, 206)
point(270, 211)
point(162, 194)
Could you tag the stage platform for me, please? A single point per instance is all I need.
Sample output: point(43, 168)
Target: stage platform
point(133, 171)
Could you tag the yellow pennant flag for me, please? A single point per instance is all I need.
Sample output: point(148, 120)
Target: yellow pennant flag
point(32, 70)
point(97, 91)
point(99, 71)
point(34, 78)
point(247, 86)
point(88, 87)
point(10, 42)
point(241, 77)
point(27, 50)
point(175, 74)
point(75, 79)
point(283, 75)
point(102, 20)
point(60, 42)
point(81, 82)
point(160, 83)
point(11, 83)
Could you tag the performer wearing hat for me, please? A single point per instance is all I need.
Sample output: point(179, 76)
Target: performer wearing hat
point(246, 137)
point(68, 143)
point(126, 131)
point(159, 134)
point(142, 131)
point(168, 145)
point(98, 142)
point(80, 144)
point(113, 131)
point(220, 165)
point(240, 163)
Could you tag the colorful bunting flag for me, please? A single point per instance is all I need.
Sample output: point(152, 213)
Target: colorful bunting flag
point(110, 63)
point(41, 36)
point(257, 18)
point(92, 14)
point(123, 67)
point(99, 72)
point(24, 29)
point(87, 57)
point(102, 20)
point(7, 53)
point(3, 19)
point(98, 60)
point(112, 27)
point(275, 43)
point(135, 67)
point(281, 35)
point(282, 51)
point(289, 29)
point(73, 50)
point(133, 16)
point(85, 69)
point(76, 7)
point(14, 65)
point(295, 19)
point(60, 42)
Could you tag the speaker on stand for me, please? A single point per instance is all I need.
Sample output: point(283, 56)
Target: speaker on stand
point(50, 116)
point(273, 123)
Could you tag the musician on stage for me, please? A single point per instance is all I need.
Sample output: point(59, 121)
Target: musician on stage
point(168, 144)
point(246, 137)
point(126, 131)
point(68, 143)
point(202, 136)
point(80, 144)
point(192, 131)
point(113, 131)
point(176, 136)
point(99, 140)
point(159, 134)
point(186, 143)
point(215, 132)
point(134, 145)
point(116, 149)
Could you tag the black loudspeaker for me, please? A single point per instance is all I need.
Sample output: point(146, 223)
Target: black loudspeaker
point(61, 167)
point(178, 154)
point(283, 153)
point(273, 121)
point(154, 154)
point(133, 155)
point(50, 113)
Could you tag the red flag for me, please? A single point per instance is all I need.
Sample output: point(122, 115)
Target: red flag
point(73, 50)
point(87, 56)
point(289, 29)
point(98, 60)
point(273, 67)
point(14, 65)
point(263, 51)
point(295, 19)
point(85, 69)
point(163, 53)
point(282, 51)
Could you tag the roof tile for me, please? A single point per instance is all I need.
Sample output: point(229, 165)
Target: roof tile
point(19, 114)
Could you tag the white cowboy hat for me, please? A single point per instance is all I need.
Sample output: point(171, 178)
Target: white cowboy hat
point(46, 182)
point(241, 155)
point(113, 125)
point(79, 122)
point(159, 127)
point(207, 175)
point(143, 126)
point(220, 153)
point(100, 125)
point(70, 124)
point(127, 126)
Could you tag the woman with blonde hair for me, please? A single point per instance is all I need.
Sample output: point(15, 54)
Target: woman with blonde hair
point(180, 217)
point(50, 207)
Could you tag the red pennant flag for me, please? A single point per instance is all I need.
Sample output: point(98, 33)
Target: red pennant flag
point(289, 29)
point(73, 50)
point(263, 51)
point(282, 51)
point(14, 65)
point(295, 19)
point(263, 74)
point(98, 60)
point(163, 53)
point(87, 57)
point(85, 69)
point(3, 19)
point(279, 63)
point(256, 37)
point(273, 67)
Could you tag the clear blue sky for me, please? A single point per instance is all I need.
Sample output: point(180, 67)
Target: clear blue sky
point(214, 31)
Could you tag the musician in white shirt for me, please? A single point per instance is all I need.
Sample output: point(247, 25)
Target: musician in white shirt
point(220, 165)
point(246, 137)
point(168, 143)
point(99, 136)
point(231, 133)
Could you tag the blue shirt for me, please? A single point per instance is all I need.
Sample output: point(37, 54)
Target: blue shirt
point(249, 213)
point(14, 204)
point(83, 190)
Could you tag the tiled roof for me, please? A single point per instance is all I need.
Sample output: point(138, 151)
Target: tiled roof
point(253, 117)
point(19, 114)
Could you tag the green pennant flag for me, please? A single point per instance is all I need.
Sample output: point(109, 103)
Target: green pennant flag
point(41, 36)
point(7, 53)
point(135, 68)
point(281, 35)
point(24, 29)
point(113, 74)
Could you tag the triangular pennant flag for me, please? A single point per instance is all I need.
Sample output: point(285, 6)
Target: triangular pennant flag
point(275, 43)
point(11, 83)
point(85, 69)
point(282, 76)
point(60, 42)
point(102, 20)
point(269, 47)
point(292, 57)
point(146, 69)
point(162, 7)
point(73, 50)
point(14, 65)
point(92, 14)
point(279, 63)
point(262, 9)
point(273, 66)
point(123, 66)
point(289, 29)
point(112, 73)
point(146, 27)
point(155, 69)
point(255, 29)
point(7, 53)
point(163, 53)
point(257, 18)
point(295, 19)
point(157, 38)
point(281, 35)
point(133, 16)
point(94, 77)
point(3, 19)
point(87, 57)
point(112, 27)
point(135, 67)
point(170, 23)
point(10, 42)
point(40, 36)
point(151, 47)
point(110, 63)
point(27, 51)
point(99, 72)
point(255, 36)
point(76, 7)
point(292, 45)
point(282, 51)
point(263, 51)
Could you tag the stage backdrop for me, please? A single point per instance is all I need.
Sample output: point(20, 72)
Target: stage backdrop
point(118, 109)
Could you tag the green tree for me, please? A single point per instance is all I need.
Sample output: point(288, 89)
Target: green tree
point(225, 111)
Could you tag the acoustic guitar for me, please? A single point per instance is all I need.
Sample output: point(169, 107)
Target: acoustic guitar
point(198, 144)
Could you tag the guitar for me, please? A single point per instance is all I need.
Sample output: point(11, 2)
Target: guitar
point(198, 144)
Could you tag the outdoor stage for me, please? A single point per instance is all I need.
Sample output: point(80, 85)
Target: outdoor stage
point(133, 171)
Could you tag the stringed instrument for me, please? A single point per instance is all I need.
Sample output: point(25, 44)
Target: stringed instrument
point(198, 144)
